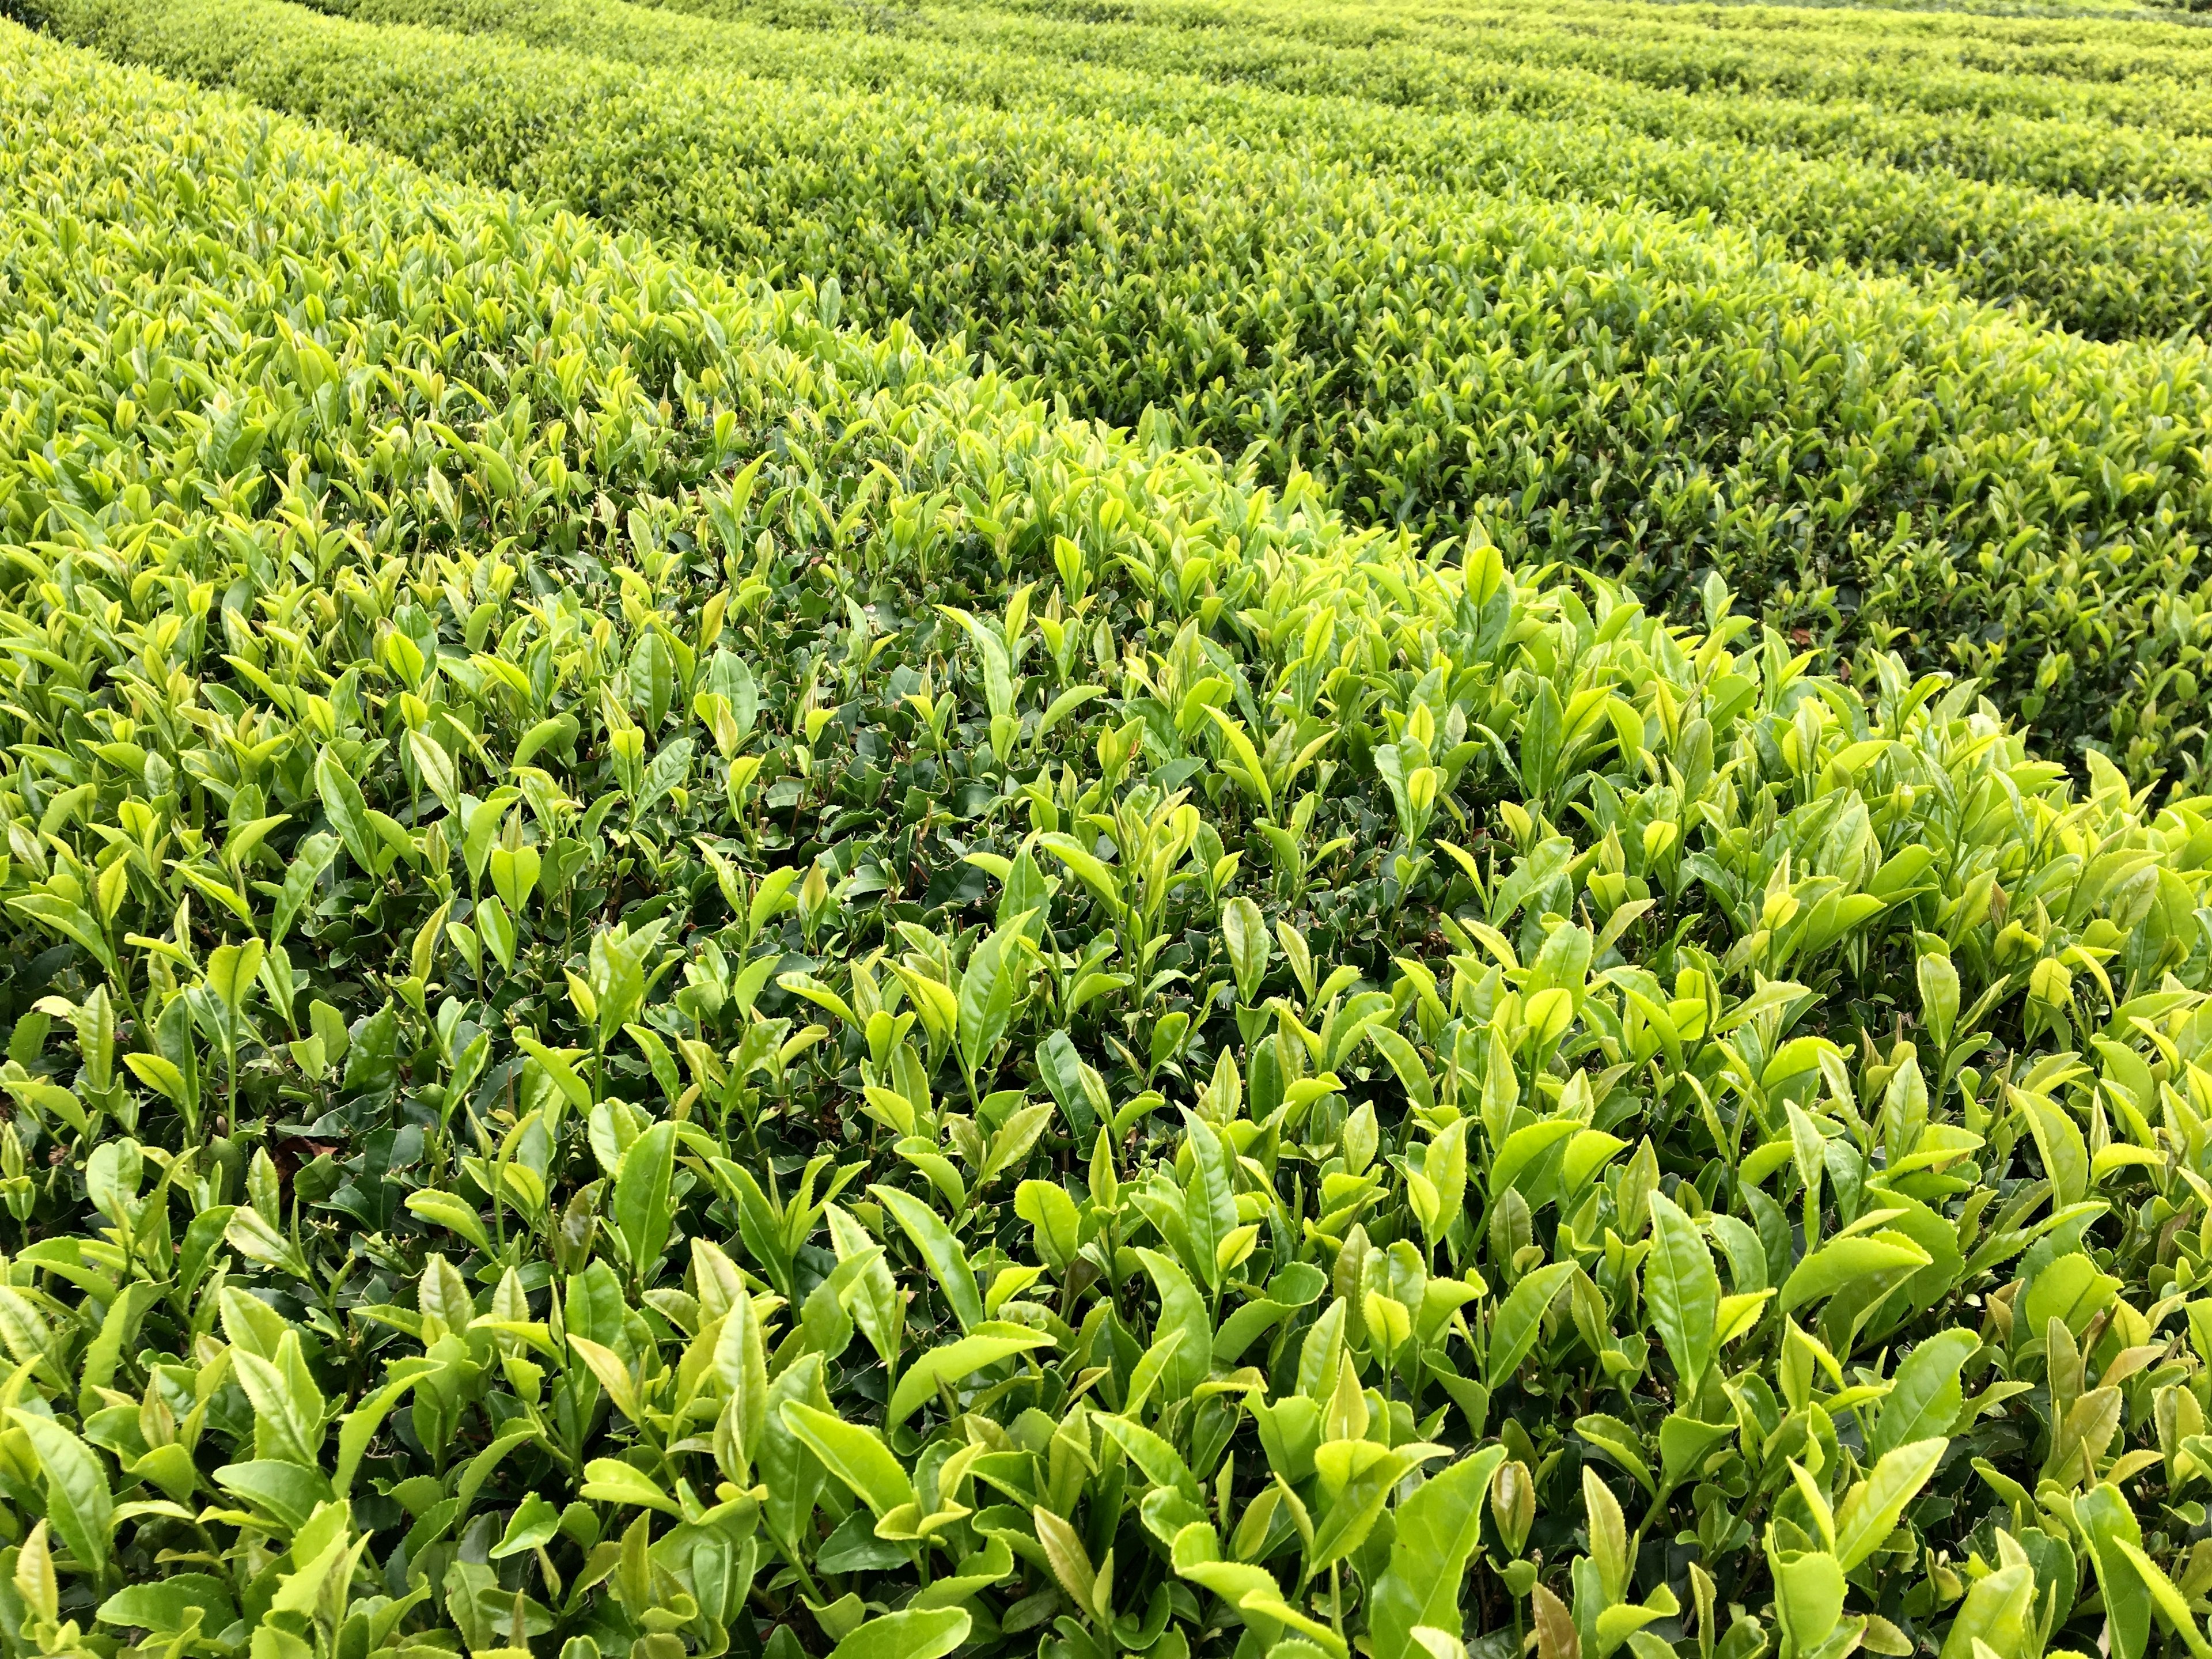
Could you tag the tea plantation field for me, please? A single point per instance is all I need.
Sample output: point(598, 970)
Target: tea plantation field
point(1187, 829)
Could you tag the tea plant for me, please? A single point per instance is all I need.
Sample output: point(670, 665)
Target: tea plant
point(1386, 57)
point(680, 982)
point(1940, 61)
point(1867, 463)
point(2108, 270)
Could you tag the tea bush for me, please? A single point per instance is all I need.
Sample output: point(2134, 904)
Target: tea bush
point(681, 983)
point(1384, 59)
point(1867, 461)
point(2112, 270)
point(1940, 62)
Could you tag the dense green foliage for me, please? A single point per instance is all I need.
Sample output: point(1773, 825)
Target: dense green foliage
point(1379, 64)
point(2111, 271)
point(1864, 459)
point(1942, 62)
point(691, 972)
point(679, 982)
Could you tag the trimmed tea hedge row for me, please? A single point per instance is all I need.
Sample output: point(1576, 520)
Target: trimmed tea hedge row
point(2109, 271)
point(681, 983)
point(2129, 75)
point(2085, 157)
point(1864, 460)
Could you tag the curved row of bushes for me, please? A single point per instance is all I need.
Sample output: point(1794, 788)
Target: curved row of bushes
point(2130, 76)
point(679, 983)
point(2107, 269)
point(1868, 461)
point(2073, 154)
